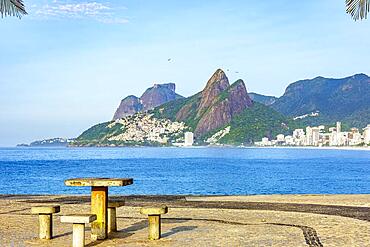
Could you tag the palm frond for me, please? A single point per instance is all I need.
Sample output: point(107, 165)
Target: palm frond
point(12, 8)
point(358, 9)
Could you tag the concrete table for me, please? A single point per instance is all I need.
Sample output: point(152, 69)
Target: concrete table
point(99, 200)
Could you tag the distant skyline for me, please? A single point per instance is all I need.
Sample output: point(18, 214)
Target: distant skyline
point(67, 65)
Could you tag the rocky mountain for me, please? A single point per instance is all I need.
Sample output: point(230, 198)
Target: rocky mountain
point(263, 99)
point(345, 100)
point(211, 108)
point(128, 106)
point(225, 112)
point(220, 114)
point(152, 97)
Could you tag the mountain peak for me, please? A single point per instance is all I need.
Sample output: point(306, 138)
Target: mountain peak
point(128, 106)
point(158, 95)
point(229, 103)
point(152, 97)
point(360, 76)
point(215, 85)
point(337, 99)
point(169, 86)
point(218, 77)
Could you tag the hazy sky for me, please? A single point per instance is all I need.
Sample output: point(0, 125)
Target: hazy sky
point(67, 65)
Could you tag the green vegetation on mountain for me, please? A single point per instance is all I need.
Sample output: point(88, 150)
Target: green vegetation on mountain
point(209, 109)
point(99, 133)
point(225, 114)
point(169, 110)
point(250, 121)
point(263, 99)
point(345, 100)
point(255, 123)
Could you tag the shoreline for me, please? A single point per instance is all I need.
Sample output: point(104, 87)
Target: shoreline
point(347, 148)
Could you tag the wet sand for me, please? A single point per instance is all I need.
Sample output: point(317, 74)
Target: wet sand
point(271, 220)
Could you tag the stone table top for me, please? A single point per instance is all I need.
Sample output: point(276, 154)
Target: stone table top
point(103, 182)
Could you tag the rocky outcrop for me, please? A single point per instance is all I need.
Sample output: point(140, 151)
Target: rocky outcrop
point(158, 95)
point(227, 104)
point(215, 85)
point(152, 97)
point(128, 106)
point(216, 105)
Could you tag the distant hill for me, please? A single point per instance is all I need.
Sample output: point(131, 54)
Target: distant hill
point(211, 108)
point(224, 113)
point(141, 129)
point(220, 114)
point(152, 97)
point(263, 99)
point(53, 142)
point(227, 109)
point(346, 100)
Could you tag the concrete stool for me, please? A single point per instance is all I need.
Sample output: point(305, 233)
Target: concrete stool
point(154, 217)
point(112, 221)
point(78, 221)
point(45, 220)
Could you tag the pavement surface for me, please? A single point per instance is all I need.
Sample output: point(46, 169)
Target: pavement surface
point(272, 220)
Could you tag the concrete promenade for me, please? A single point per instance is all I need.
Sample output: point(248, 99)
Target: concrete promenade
point(272, 220)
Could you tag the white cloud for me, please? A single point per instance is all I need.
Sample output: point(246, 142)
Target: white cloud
point(114, 20)
point(100, 12)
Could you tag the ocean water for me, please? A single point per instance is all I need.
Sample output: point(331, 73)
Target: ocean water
point(196, 171)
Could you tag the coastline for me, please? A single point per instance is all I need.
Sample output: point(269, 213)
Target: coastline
point(347, 148)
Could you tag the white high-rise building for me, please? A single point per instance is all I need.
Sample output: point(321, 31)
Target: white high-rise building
point(189, 139)
point(309, 141)
point(333, 139)
point(299, 137)
point(339, 127)
point(315, 136)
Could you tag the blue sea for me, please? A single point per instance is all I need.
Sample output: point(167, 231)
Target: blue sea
point(196, 171)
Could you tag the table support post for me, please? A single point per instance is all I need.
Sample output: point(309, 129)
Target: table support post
point(46, 226)
point(154, 227)
point(99, 205)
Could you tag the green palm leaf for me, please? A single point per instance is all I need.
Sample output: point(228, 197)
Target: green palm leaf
point(12, 8)
point(358, 9)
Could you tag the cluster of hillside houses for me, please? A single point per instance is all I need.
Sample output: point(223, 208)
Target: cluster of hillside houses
point(316, 136)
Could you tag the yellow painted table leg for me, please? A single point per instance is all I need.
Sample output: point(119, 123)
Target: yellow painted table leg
point(112, 222)
point(99, 205)
point(46, 226)
point(154, 227)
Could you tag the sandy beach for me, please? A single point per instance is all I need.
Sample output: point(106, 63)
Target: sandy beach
point(271, 220)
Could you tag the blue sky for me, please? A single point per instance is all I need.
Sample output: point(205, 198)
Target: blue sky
point(67, 65)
